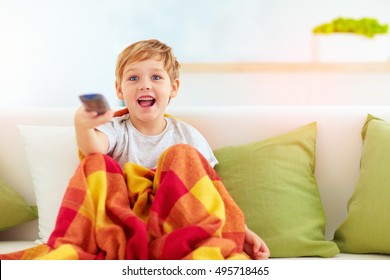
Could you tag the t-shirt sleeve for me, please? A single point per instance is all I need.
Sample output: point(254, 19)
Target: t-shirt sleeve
point(204, 148)
point(199, 142)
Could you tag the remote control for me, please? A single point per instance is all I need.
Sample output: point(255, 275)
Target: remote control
point(95, 102)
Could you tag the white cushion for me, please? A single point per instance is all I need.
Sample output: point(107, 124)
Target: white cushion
point(52, 157)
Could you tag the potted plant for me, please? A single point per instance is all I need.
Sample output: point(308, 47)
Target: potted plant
point(368, 27)
point(351, 40)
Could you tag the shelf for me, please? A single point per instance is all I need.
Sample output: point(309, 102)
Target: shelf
point(284, 67)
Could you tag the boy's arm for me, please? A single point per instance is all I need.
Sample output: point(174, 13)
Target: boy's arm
point(89, 140)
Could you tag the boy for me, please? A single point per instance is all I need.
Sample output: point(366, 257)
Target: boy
point(147, 78)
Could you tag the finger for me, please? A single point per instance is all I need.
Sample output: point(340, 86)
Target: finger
point(257, 247)
point(264, 252)
point(261, 257)
point(88, 114)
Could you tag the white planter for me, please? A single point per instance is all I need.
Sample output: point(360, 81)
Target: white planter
point(350, 48)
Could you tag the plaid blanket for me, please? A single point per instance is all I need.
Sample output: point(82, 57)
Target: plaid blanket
point(181, 210)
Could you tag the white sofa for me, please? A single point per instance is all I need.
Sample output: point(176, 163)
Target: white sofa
point(338, 150)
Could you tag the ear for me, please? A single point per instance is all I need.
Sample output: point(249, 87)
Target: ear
point(119, 92)
point(175, 88)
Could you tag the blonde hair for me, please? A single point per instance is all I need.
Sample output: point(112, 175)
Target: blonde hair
point(147, 49)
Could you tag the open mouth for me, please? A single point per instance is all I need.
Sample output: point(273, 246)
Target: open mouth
point(146, 101)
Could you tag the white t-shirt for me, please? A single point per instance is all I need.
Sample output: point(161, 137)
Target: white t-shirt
point(127, 144)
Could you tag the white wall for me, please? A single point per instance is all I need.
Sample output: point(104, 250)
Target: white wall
point(302, 88)
point(53, 50)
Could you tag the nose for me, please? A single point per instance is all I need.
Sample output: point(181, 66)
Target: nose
point(144, 85)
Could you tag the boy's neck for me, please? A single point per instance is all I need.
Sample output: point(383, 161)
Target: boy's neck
point(150, 128)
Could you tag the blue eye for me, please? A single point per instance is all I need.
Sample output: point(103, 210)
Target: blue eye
point(155, 77)
point(133, 78)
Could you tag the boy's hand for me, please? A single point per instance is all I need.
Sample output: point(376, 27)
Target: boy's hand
point(90, 140)
point(254, 246)
point(89, 120)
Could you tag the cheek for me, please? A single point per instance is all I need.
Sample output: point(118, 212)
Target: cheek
point(127, 91)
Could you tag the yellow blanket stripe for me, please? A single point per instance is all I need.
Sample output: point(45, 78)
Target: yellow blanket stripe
point(139, 184)
point(64, 252)
point(97, 188)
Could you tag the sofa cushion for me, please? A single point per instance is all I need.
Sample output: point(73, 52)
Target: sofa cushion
point(52, 157)
point(273, 182)
point(13, 207)
point(367, 226)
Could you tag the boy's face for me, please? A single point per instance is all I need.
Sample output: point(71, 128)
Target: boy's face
point(146, 89)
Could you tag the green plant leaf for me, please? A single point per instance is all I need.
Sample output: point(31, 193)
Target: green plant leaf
point(368, 27)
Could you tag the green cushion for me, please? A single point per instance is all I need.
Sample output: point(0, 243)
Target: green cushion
point(13, 208)
point(367, 226)
point(274, 184)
